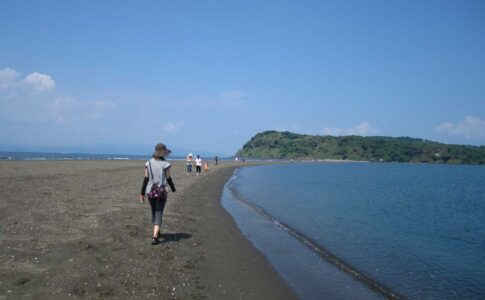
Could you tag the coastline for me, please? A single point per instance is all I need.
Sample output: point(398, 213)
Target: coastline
point(76, 229)
point(311, 269)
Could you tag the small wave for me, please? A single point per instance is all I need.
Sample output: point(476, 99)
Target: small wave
point(320, 250)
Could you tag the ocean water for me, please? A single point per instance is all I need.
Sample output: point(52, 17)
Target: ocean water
point(9, 155)
point(364, 231)
point(5, 155)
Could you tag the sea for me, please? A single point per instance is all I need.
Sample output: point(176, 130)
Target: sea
point(6, 155)
point(17, 155)
point(366, 230)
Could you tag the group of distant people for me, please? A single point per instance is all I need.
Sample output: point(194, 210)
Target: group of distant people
point(190, 161)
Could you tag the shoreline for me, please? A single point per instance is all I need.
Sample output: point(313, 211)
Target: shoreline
point(334, 278)
point(75, 229)
point(358, 284)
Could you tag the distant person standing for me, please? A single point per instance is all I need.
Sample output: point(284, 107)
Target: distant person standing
point(216, 159)
point(189, 160)
point(206, 167)
point(198, 165)
point(157, 175)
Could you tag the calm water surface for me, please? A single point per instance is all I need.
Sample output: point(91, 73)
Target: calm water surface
point(416, 230)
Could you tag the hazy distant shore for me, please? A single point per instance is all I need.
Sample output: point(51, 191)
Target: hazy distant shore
point(75, 229)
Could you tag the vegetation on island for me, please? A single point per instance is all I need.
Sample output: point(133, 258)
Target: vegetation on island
point(287, 145)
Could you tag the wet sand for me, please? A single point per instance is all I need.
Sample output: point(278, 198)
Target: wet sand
point(75, 229)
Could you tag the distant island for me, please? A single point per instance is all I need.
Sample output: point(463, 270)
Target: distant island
point(287, 145)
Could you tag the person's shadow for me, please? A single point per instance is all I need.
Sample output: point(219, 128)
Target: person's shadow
point(174, 237)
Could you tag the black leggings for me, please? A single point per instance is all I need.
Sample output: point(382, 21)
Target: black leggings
point(158, 205)
point(198, 169)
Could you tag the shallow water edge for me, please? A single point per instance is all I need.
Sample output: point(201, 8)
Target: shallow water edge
point(311, 270)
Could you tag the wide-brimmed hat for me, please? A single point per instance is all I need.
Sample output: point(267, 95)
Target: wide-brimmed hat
point(161, 151)
point(190, 155)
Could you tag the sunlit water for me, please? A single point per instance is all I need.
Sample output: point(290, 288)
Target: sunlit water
point(410, 230)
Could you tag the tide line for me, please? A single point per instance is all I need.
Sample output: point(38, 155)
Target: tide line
point(320, 250)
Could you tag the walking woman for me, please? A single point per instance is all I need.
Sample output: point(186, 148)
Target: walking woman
point(157, 175)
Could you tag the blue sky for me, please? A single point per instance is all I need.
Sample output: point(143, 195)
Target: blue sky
point(205, 76)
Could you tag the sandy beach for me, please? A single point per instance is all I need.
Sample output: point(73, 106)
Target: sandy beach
point(75, 229)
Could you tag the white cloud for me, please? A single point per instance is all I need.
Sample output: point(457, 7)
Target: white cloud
point(8, 78)
point(37, 81)
point(363, 129)
point(19, 104)
point(40, 81)
point(66, 110)
point(172, 127)
point(470, 127)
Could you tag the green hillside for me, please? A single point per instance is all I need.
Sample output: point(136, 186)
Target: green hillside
point(287, 145)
